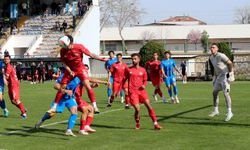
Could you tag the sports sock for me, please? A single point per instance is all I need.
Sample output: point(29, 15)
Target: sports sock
point(112, 99)
point(2, 104)
point(126, 99)
point(21, 108)
point(94, 104)
point(175, 90)
point(46, 116)
point(152, 115)
point(59, 95)
point(89, 120)
point(159, 92)
point(109, 91)
point(170, 92)
point(72, 120)
point(83, 123)
point(121, 93)
point(91, 95)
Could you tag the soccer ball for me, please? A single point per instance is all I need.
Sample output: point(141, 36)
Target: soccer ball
point(64, 41)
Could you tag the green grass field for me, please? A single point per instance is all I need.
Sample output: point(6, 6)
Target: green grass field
point(186, 126)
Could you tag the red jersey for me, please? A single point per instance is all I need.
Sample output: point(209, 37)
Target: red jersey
point(11, 73)
point(74, 57)
point(155, 68)
point(118, 71)
point(136, 78)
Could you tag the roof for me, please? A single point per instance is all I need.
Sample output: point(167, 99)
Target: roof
point(183, 19)
point(154, 32)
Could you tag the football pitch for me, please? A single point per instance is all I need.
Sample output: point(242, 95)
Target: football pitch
point(186, 126)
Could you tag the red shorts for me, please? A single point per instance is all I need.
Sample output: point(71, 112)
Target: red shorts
point(14, 92)
point(83, 75)
point(138, 97)
point(156, 80)
point(118, 86)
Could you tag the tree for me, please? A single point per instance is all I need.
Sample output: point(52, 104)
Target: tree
point(148, 49)
point(120, 13)
point(205, 41)
point(225, 49)
point(194, 37)
point(243, 15)
point(106, 11)
point(147, 36)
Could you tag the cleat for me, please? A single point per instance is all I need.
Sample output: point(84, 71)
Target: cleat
point(127, 107)
point(214, 113)
point(24, 116)
point(122, 99)
point(109, 105)
point(96, 110)
point(5, 113)
point(229, 116)
point(83, 132)
point(89, 129)
point(70, 133)
point(173, 100)
point(157, 127)
point(164, 100)
point(155, 97)
point(137, 126)
point(177, 100)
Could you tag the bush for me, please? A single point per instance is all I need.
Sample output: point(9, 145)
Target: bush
point(147, 51)
point(225, 48)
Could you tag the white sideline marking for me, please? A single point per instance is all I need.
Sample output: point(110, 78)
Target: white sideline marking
point(105, 112)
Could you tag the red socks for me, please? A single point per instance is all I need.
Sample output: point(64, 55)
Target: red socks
point(83, 123)
point(89, 120)
point(59, 95)
point(21, 107)
point(152, 115)
point(126, 99)
point(159, 92)
point(91, 95)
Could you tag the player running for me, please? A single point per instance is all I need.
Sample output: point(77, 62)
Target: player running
point(13, 86)
point(167, 66)
point(155, 75)
point(137, 81)
point(2, 101)
point(72, 58)
point(117, 71)
point(222, 76)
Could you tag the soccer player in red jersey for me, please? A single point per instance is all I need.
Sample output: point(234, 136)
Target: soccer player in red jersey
point(13, 86)
point(155, 75)
point(72, 58)
point(137, 81)
point(117, 70)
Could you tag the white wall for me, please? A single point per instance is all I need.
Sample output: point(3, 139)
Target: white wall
point(22, 41)
point(87, 32)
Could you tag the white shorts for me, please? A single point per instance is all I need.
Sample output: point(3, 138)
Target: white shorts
point(221, 84)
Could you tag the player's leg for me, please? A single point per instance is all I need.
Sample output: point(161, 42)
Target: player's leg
point(125, 89)
point(49, 114)
point(122, 96)
point(144, 98)
point(2, 103)
point(216, 89)
point(134, 100)
point(84, 115)
point(226, 91)
point(89, 119)
point(115, 91)
point(158, 91)
point(72, 106)
point(175, 89)
point(109, 88)
point(91, 94)
point(168, 85)
point(15, 100)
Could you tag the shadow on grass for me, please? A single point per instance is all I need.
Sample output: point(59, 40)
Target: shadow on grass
point(162, 118)
point(27, 131)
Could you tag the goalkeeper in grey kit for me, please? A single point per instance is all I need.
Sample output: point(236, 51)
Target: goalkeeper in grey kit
point(222, 76)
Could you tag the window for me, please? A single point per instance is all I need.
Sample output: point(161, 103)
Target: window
point(110, 47)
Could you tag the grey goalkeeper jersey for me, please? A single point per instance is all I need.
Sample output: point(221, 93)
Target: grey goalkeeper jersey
point(219, 62)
